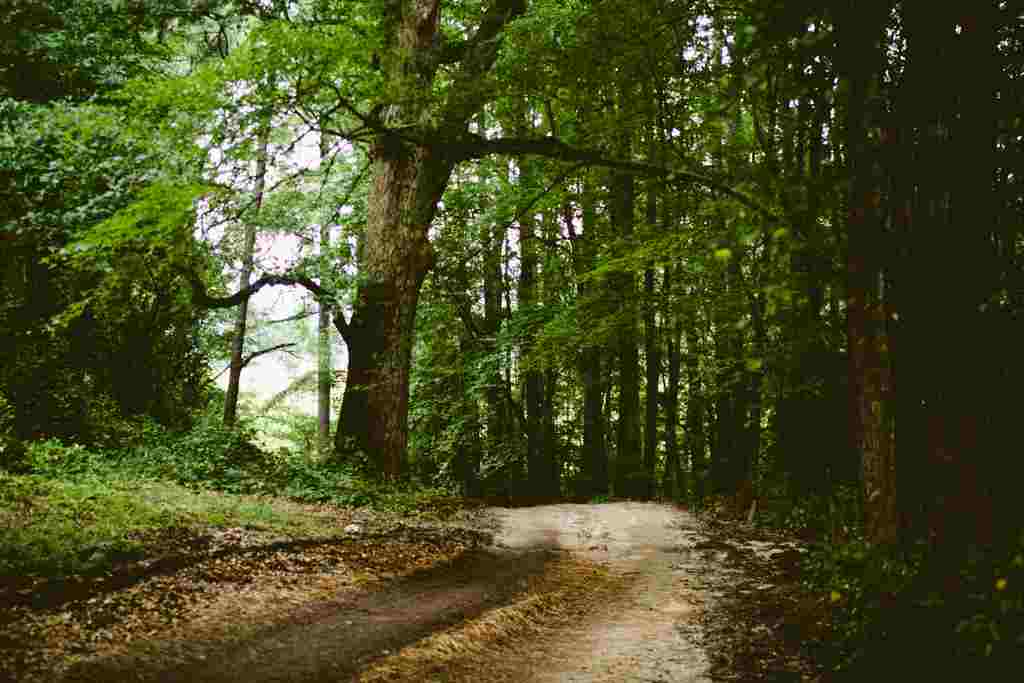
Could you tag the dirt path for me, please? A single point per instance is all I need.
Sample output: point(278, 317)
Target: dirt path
point(651, 633)
point(610, 592)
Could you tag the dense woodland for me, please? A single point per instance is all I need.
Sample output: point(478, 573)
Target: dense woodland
point(761, 255)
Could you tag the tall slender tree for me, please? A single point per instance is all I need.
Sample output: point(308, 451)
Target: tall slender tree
point(248, 260)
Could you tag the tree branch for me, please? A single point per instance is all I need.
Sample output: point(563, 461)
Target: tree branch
point(472, 146)
point(202, 298)
point(254, 355)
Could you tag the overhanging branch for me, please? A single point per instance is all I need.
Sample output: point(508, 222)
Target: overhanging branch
point(472, 146)
point(202, 298)
point(256, 354)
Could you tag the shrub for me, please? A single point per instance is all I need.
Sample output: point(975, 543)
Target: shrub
point(950, 615)
point(12, 451)
point(54, 459)
point(208, 455)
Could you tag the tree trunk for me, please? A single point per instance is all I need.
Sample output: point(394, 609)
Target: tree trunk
point(550, 435)
point(674, 481)
point(408, 179)
point(407, 184)
point(248, 255)
point(945, 179)
point(494, 395)
point(630, 480)
point(538, 472)
point(695, 415)
point(652, 357)
point(324, 365)
point(860, 34)
point(551, 274)
point(595, 455)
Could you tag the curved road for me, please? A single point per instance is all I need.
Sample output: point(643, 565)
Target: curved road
point(648, 632)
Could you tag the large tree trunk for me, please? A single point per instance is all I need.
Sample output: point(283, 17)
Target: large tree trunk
point(407, 184)
point(248, 256)
point(946, 179)
point(408, 181)
point(861, 31)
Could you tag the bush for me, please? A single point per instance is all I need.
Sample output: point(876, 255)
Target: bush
point(951, 616)
point(209, 455)
point(54, 459)
point(12, 452)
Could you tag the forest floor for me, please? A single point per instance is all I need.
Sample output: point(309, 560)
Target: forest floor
point(603, 592)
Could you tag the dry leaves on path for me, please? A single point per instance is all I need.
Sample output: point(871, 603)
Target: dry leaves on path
point(214, 583)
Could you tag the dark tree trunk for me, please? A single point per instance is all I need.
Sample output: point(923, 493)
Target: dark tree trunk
point(630, 479)
point(538, 472)
point(652, 356)
point(652, 359)
point(695, 415)
point(248, 255)
point(595, 455)
point(494, 395)
point(550, 435)
point(551, 447)
point(945, 179)
point(674, 482)
point(861, 34)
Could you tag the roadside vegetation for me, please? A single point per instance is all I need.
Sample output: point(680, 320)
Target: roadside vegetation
point(73, 509)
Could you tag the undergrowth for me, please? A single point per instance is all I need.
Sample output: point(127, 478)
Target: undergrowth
point(61, 526)
point(71, 509)
point(913, 611)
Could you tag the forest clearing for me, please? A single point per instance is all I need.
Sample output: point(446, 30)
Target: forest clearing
point(541, 339)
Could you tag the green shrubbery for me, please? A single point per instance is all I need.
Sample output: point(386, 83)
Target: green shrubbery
point(937, 614)
point(211, 456)
point(12, 452)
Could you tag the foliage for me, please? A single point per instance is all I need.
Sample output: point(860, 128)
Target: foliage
point(66, 316)
point(76, 48)
point(11, 449)
point(212, 457)
point(86, 523)
point(950, 615)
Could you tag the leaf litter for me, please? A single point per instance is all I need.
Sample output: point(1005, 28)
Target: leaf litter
point(212, 583)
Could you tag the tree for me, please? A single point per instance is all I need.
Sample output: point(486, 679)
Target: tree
point(325, 370)
point(248, 256)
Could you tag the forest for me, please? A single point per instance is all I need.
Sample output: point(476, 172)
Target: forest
point(762, 260)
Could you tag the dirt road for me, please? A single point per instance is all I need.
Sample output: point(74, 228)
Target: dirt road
point(608, 592)
point(652, 633)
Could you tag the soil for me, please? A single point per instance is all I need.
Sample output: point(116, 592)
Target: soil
point(586, 593)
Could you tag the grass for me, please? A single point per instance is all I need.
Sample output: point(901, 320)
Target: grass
point(60, 526)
